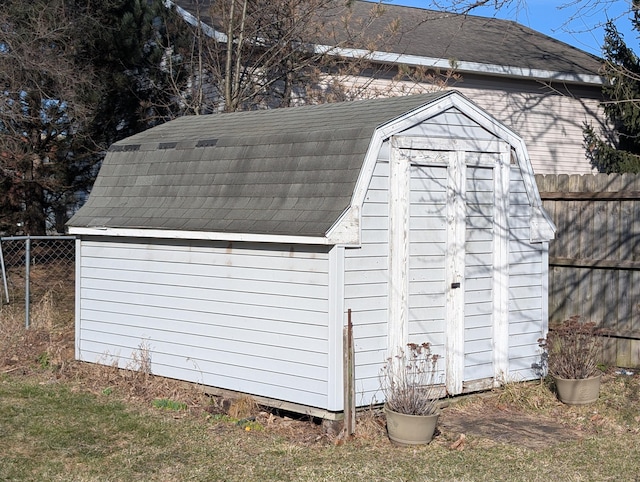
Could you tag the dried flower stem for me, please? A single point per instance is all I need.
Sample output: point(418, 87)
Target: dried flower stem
point(574, 349)
point(408, 381)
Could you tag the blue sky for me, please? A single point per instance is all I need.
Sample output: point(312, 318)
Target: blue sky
point(576, 23)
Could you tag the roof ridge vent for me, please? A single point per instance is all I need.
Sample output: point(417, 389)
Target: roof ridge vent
point(125, 148)
point(207, 143)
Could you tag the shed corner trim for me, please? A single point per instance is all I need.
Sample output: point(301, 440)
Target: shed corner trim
point(542, 228)
point(346, 230)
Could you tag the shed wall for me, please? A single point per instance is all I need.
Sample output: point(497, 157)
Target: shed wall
point(367, 272)
point(527, 286)
point(366, 285)
point(266, 318)
point(238, 317)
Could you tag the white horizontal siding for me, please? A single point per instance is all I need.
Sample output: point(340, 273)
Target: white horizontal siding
point(479, 260)
point(549, 122)
point(451, 124)
point(428, 238)
point(525, 287)
point(366, 288)
point(239, 317)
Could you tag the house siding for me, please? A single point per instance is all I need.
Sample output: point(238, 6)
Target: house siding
point(238, 317)
point(549, 119)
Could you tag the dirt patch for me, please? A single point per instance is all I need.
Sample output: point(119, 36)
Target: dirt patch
point(506, 426)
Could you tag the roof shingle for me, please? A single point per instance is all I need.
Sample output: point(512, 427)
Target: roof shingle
point(441, 35)
point(285, 171)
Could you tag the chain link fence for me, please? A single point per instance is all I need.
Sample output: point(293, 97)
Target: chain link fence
point(37, 275)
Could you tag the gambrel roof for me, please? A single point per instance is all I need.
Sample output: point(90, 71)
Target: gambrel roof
point(480, 45)
point(282, 172)
point(296, 174)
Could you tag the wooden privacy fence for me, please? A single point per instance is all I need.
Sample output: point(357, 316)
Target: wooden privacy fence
point(594, 262)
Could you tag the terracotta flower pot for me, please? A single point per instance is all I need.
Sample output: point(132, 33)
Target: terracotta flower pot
point(578, 391)
point(406, 429)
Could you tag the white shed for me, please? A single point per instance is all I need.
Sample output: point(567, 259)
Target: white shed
point(232, 246)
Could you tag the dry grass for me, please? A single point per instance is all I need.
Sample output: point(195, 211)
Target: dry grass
point(370, 425)
point(302, 449)
point(243, 407)
point(47, 349)
point(44, 343)
point(617, 411)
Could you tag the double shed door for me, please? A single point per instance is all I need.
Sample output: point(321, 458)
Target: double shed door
point(455, 219)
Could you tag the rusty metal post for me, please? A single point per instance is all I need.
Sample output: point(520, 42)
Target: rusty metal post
point(349, 378)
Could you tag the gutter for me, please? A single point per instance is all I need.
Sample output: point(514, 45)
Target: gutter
point(463, 66)
point(417, 60)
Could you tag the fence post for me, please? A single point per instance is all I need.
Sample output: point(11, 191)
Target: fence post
point(4, 274)
point(27, 264)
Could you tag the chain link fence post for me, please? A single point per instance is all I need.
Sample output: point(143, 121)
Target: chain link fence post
point(4, 275)
point(27, 277)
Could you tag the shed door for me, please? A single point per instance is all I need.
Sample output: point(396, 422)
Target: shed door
point(454, 252)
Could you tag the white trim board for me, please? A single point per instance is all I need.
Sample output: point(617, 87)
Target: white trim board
point(200, 235)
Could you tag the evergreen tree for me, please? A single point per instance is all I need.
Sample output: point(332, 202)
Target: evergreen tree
point(128, 51)
point(619, 150)
point(76, 75)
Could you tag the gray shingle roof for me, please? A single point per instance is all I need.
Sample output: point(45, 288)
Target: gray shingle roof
point(284, 171)
point(441, 35)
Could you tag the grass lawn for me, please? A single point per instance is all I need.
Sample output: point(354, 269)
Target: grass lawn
point(58, 431)
point(62, 420)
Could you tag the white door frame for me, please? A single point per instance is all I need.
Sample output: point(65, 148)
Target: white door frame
point(454, 268)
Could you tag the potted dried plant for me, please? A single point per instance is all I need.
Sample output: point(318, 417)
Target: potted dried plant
point(573, 351)
point(408, 381)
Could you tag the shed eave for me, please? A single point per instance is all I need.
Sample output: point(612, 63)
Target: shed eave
point(199, 235)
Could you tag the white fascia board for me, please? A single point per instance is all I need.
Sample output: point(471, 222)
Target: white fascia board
point(541, 227)
point(346, 230)
point(463, 66)
point(386, 131)
point(199, 235)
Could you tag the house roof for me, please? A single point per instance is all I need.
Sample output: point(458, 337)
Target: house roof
point(481, 45)
point(285, 172)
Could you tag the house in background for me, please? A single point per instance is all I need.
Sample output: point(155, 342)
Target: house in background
point(231, 247)
point(542, 88)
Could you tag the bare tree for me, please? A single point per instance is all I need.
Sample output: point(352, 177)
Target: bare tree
point(249, 54)
point(42, 116)
point(578, 13)
point(468, 6)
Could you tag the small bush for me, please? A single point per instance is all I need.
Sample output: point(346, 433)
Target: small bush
point(574, 349)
